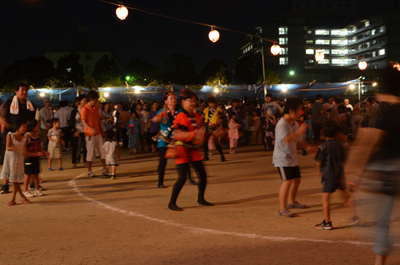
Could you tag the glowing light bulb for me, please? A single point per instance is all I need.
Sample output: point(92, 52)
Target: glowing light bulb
point(106, 95)
point(362, 65)
point(275, 49)
point(213, 35)
point(41, 94)
point(352, 86)
point(284, 88)
point(319, 56)
point(216, 90)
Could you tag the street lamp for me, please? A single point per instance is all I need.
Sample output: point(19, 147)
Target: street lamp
point(291, 73)
point(284, 88)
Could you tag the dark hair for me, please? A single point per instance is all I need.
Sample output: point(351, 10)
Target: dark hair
point(82, 97)
point(92, 95)
point(125, 107)
point(31, 124)
point(211, 100)
point(55, 120)
point(166, 93)
point(274, 99)
point(17, 86)
point(231, 115)
point(269, 95)
point(133, 111)
point(152, 103)
point(319, 96)
point(18, 125)
point(292, 103)
point(342, 109)
point(338, 100)
point(186, 94)
point(330, 128)
point(369, 100)
point(77, 99)
point(110, 134)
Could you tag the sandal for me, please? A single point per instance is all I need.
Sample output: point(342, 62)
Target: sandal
point(11, 203)
point(25, 201)
point(286, 213)
point(296, 205)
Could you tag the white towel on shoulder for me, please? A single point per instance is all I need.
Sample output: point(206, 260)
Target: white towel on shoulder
point(14, 107)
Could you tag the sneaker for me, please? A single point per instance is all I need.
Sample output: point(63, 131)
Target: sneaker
point(354, 220)
point(296, 205)
point(104, 172)
point(38, 193)
point(4, 189)
point(49, 169)
point(324, 226)
point(286, 213)
point(113, 177)
point(60, 169)
point(32, 186)
point(91, 174)
point(27, 194)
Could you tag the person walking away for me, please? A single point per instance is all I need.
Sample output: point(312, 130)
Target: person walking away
point(289, 136)
point(111, 152)
point(123, 119)
point(94, 133)
point(330, 159)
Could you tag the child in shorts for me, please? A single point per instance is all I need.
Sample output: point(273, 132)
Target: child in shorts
point(330, 159)
point(111, 152)
point(55, 144)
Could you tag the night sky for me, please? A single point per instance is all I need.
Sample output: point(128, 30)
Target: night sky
point(29, 27)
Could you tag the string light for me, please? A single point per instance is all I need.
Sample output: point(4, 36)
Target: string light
point(106, 94)
point(122, 12)
point(362, 65)
point(216, 90)
point(275, 49)
point(319, 56)
point(213, 35)
point(396, 66)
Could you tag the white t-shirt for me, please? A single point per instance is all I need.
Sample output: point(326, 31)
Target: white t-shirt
point(78, 121)
point(63, 114)
point(285, 154)
point(54, 134)
point(47, 115)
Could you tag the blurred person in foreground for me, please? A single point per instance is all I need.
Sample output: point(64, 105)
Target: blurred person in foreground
point(376, 154)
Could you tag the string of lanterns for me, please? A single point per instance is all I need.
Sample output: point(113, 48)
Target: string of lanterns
point(214, 35)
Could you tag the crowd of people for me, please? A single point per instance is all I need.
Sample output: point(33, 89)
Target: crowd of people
point(178, 130)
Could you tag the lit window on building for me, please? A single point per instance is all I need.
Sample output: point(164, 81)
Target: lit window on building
point(338, 61)
point(283, 61)
point(322, 42)
point(339, 51)
point(309, 51)
point(367, 23)
point(325, 51)
point(309, 32)
point(284, 51)
point(310, 61)
point(324, 61)
point(283, 31)
point(337, 42)
point(373, 32)
point(283, 41)
point(374, 54)
point(340, 32)
point(382, 29)
point(382, 52)
point(309, 42)
point(321, 32)
point(68, 70)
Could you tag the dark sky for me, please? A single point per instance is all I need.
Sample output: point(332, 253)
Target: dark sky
point(28, 27)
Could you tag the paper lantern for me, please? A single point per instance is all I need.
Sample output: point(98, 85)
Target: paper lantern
point(275, 49)
point(122, 12)
point(213, 35)
point(319, 56)
point(362, 65)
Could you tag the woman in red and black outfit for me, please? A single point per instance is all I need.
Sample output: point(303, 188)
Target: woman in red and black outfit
point(188, 136)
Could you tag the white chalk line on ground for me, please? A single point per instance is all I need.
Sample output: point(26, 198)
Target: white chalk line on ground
point(205, 230)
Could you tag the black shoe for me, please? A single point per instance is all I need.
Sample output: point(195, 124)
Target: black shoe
point(223, 159)
point(161, 186)
point(32, 186)
point(192, 182)
point(205, 203)
point(174, 207)
point(4, 189)
point(304, 153)
point(206, 158)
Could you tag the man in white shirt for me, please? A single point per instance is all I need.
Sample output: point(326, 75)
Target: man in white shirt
point(347, 104)
point(63, 114)
point(45, 122)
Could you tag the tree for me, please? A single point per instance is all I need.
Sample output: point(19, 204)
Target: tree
point(220, 78)
point(212, 68)
point(271, 77)
point(70, 70)
point(141, 72)
point(180, 70)
point(33, 69)
point(248, 69)
point(107, 72)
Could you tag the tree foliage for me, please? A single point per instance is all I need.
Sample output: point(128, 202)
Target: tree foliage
point(107, 73)
point(220, 78)
point(212, 68)
point(271, 78)
point(70, 70)
point(180, 70)
point(141, 72)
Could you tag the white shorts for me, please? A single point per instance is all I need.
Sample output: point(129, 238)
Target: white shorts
point(94, 142)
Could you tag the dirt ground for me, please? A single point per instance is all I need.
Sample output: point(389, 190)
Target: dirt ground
point(85, 220)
